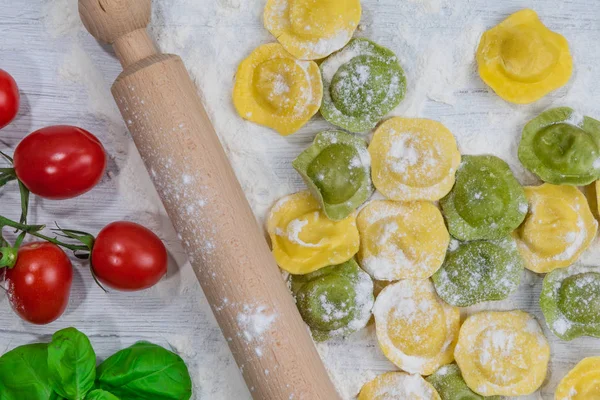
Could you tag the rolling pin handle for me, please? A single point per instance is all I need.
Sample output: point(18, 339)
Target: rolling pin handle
point(109, 20)
point(133, 47)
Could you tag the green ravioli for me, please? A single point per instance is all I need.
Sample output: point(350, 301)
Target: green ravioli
point(337, 169)
point(335, 300)
point(562, 147)
point(479, 271)
point(450, 385)
point(361, 84)
point(570, 301)
point(487, 202)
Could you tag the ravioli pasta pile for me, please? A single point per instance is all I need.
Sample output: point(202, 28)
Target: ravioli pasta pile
point(282, 87)
point(447, 230)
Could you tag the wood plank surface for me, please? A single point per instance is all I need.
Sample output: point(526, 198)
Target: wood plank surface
point(65, 77)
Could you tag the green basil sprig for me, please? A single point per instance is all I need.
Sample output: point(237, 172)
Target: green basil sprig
point(145, 371)
point(24, 374)
point(72, 364)
point(99, 394)
point(66, 369)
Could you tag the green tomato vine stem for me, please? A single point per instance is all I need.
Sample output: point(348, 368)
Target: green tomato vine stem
point(8, 175)
point(33, 230)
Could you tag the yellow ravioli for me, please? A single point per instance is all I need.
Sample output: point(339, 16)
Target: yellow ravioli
point(305, 240)
point(522, 60)
point(557, 229)
point(502, 353)
point(582, 382)
point(398, 386)
point(401, 240)
point(312, 29)
point(415, 329)
point(413, 159)
point(274, 89)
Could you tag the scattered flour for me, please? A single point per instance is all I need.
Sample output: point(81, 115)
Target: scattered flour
point(254, 321)
point(62, 17)
point(576, 118)
point(294, 229)
point(435, 42)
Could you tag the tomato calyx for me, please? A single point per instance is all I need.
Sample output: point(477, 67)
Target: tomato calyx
point(88, 241)
point(9, 256)
point(80, 251)
point(8, 253)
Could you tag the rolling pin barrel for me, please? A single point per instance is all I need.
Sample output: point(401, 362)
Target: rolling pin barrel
point(206, 204)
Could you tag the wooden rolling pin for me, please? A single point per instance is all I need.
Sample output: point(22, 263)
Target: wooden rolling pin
point(207, 206)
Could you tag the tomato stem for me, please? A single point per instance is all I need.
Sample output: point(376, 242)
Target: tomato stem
point(22, 227)
point(72, 247)
point(24, 202)
point(7, 157)
point(7, 175)
point(33, 230)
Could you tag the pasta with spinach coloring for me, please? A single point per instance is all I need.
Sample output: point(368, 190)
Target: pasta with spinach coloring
point(562, 147)
point(335, 300)
point(362, 83)
point(478, 271)
point(337, 170)
point(450, 385)
point(487, 201)
point(570, 301)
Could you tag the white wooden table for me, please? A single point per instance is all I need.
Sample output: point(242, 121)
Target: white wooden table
point(64, 77)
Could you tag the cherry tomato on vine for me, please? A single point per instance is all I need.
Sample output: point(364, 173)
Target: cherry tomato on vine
point(60, 162)
point(127, 256)
point(9, 98)
point(39, 285)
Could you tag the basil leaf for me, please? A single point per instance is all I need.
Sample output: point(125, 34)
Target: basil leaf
point(24, 374)
point(72, 364)
point(145, 371)
point(99, 394)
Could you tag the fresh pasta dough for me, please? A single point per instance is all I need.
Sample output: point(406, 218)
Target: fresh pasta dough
point(274, 89)
point(401, 240)
point(413, 159)
point(502, 353)
point(522, 60)
point(312, 29)
point(305, 240)
point(337, 169)
point(557, 229)
point(415, 329)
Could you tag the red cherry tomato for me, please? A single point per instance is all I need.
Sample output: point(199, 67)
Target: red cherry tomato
point(127, 256)
point(60, 162)
point(39, 285)
point(9, 99)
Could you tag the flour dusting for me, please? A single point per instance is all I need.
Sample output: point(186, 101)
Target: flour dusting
point(254, 321)
point(435, 41)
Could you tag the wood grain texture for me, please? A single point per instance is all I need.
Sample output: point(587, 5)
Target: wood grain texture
point(176, 313)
